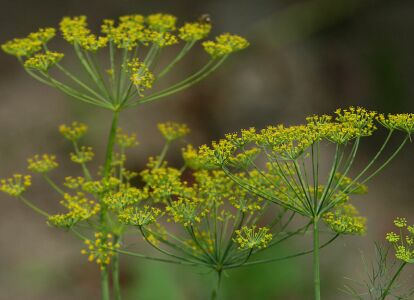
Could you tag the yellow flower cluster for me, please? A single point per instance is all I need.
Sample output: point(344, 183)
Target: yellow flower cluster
point(161, 22)
point(345, 220)
point(403, 122)
point(126, 140)
point(42, 164)
point(225, 44)
point(43, 61)
point(82, 156)
point(404, 241)
point(186, 212)
point(100, 187)
point(139, 217)
point(172, 131)
point(128, 33)
point(75, 30)
point(74, 131)
point(117, 201)
point(253, 237)
point(194, 31)
point(16, 185)
point(140, 75)
point(101, 249)
point(26, 47)
point(74, 183)
point(194, 161)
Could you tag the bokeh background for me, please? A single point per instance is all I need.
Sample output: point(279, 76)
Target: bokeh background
point(306, 57)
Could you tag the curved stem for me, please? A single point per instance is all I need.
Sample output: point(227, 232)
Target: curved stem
point(53, 185)
point(156, 258)
point(33, 207)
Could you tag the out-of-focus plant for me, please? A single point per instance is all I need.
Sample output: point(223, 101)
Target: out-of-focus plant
point(383, 277)
point(134, 44)
point(292, 155)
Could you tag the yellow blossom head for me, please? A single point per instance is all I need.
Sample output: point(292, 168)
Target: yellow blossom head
point(74, 131)
point(16, 185)
point(194, 31)
point(225, 44)
point(172, 131)
point(43, 61)
point(42, 164)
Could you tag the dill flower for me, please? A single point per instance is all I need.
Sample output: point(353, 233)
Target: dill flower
point(74, 183)
point(225, 44)
point(172, 131)
point(140, 75)
point(74, 131)
point(101, 186)
point(42, 164)
point(80, 208)
point(161, 22)
point(345, 220)
point(74, 29)
point(82, 156)
point(194, 161)
point(101, 249)
point(253, 237)
point(117, 201)
point(43, 35)
point(124, 140)
point(403, 241)
point(128, 33)
point(43, 61)
point(139, 217)
point(16, 185)
point(403, 122)
point(22, 47)
point(194, 31)
point(186, 212)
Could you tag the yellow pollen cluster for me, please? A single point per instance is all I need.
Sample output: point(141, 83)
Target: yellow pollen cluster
point(172, 131)
point(403, 122)
point(75, 31)
point(119, 200)
point(74, 131)
point(102, 186)
point(162, 39)
point(403, 242)
point(186, 212)
point(128, 33)
point(26, 47)
point(225, 44)
point(101, 249)
point(253, 237)
point(161, 22)
point(140, 75)
point(43, 61)
point(124, 140)
point(84, 155)
point(139, 217)
point(16, 185)
point(74, 183)
point(194, 31)
point(345, 220)
point(42, 164)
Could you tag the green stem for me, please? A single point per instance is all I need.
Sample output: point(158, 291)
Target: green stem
point(316, 271)
point(105, 284)
point(53, 185)
point(111, 144)
point(34, 207)
point(162, 155)
point(397, 273)
point(215, 292)
point(115, 275)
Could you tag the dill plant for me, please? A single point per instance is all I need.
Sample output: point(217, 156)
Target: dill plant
point(383, 276)
point(126, 79)
point(292, 156)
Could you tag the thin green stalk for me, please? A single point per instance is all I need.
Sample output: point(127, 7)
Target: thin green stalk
point(83, 165)
point(105, 284)
point(187, 47)
point(216, 290)
point(115, 274)
point(34, 207)
point(179, 262)
point(111, 144)
point(53, 185)
point(162, 155)
point(397, 273)
point(316, 270)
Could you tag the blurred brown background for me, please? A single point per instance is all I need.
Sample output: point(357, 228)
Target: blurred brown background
point(305, 57)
